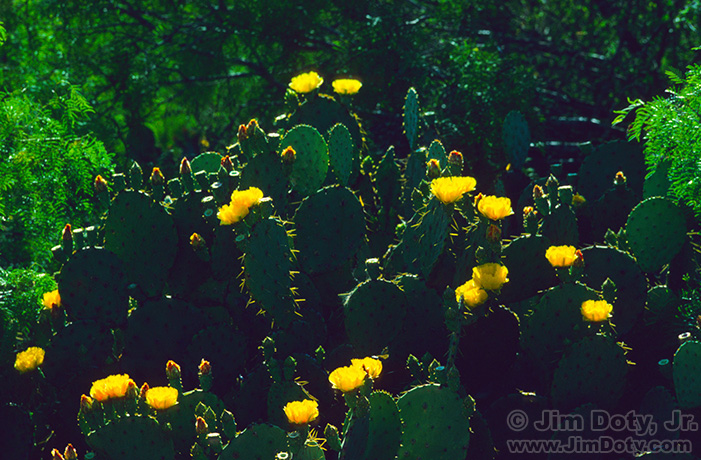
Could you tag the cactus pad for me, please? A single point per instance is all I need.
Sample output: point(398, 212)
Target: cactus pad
point(656, 231)
point(257, 442)
point(132, 437)
point(529, 270)
point(208, 162)
point(435, 424)
point(341, 151)
point(516, 137)
point(311, 161)
point(600, 167)
point(411, 117)
point(687, 374)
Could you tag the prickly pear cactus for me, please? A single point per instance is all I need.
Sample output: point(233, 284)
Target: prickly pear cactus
point(311, 160)
point(132, 437)
point(529, 270)
point(600, 167)
point(656, 231)
point(257, 442)
point(377, 435)
point(436, 151)
point(411, 117)
point(93, 285)
point(208, 162)
point(341, 152)
point(142, 234)
point(266, 172)
point(516, 138)
point(374, 312)
point(593, 370)
point(330, 229)
point(657, 182)
point(435, 422)
point(686, 372)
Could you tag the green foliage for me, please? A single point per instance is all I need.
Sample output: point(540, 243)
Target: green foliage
point(20, 293)
point(669, 127)
point(46, 172)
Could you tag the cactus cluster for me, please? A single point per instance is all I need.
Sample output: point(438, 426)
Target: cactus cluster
point(299, 251)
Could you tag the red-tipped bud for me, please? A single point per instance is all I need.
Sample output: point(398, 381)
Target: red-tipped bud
point(200, 426)
point(478, 198)
point(86, 403)
point(527, 210)
point(538, 192)
point(172, 368)
point(433, 168)
point(157, 177)
point(100, 184)
point(67, 234)
point(205, 367)
point(242, 135)
point(288, 155)
point(493, 233)
point(196, 241)
point(143, 391)
point(251, 127)
point(70, 453)
point(226, 163)
point(578, 259)
point(455, 158)
point(185, 167)
point(56, 455)
point(132, 389)
point(620, 178)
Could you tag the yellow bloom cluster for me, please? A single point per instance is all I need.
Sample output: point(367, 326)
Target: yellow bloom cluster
point(596, 310)
point(494, 208)
point(238, 208)
point(351, 377)
point(372, 366)
point(451, 189)
point(490, 276)
point(346, 85)
point(161, 398)
point(114, 386)
point(561, 256)
point(301, 412)
point(306, 82)
point(471, 294)
point(29, 359)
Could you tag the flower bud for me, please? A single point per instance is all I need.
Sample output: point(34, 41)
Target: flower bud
point(288, 155)
point(185, 168)
point(100, 184)
point(455, 158)
point(172, 368)
point(157, 177)
point(205, 367)
point(527, 210)
point(538, 192)
point(67, 235)
point(433, 168)
point(620, 179)
point(251, 127)
point(226, 163)
point(70, 453)
point(201, 426)
point(56, 455)
point(86, 404)
point(132, 390)
point(143, 391)
point(241, 135)
point(478, 198)
point(196, 241)
point(578, 259)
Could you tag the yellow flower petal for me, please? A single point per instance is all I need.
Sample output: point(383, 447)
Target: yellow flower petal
point(161, 398)
point(596, 310)
point(114, 386)
point(471, 294)
point(495, 208)
point(306, 82)
point(347, 378)
point(561, 256)
point(238, 208)
point(51, 299)
point(451, 189)
point(29, 359)
point(301, 412)
point(346, 85)
point(372, 366)
point(490, 276)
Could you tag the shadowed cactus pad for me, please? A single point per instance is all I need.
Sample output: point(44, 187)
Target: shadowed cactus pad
point(687, 374)
point(311, 161)
point(257, 442)
point(132, 437)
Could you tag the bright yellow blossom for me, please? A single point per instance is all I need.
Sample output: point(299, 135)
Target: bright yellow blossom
point(347, 378)
point(471, 294)
point(372, 366)
point(306, 82)
point(495, 208)
point(301, 412)
point(596, 310)
point(29, 359)
point(238, 208)
point(490, 276)
point(561, 256)
point(161, 398)
point(346, 85)
point(451, 189)
point(114, 386)
point(51, 299)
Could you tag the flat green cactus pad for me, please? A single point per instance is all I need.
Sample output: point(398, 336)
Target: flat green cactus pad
point(341, 152)
point(312, 158)
point(435, 424)
point(208, 162)
point(257, 442)
point(516, 137)
point(529, 270)
point(132, 437)
point(687, 374)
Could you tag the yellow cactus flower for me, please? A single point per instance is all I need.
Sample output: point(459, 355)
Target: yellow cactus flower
point(111, 387)
point(29, 359)
point(372, 366)
point(238, 208)
point(596, 310)
point(347, 378)
point(451, 189)
point(301, 412)
point(471, 294)
point(561, 256)
point(495, 208)
point(306, 82)
point(51, 299)
point(490, 276)
point(578, 200)
point(346, 85)
point(161, 398)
